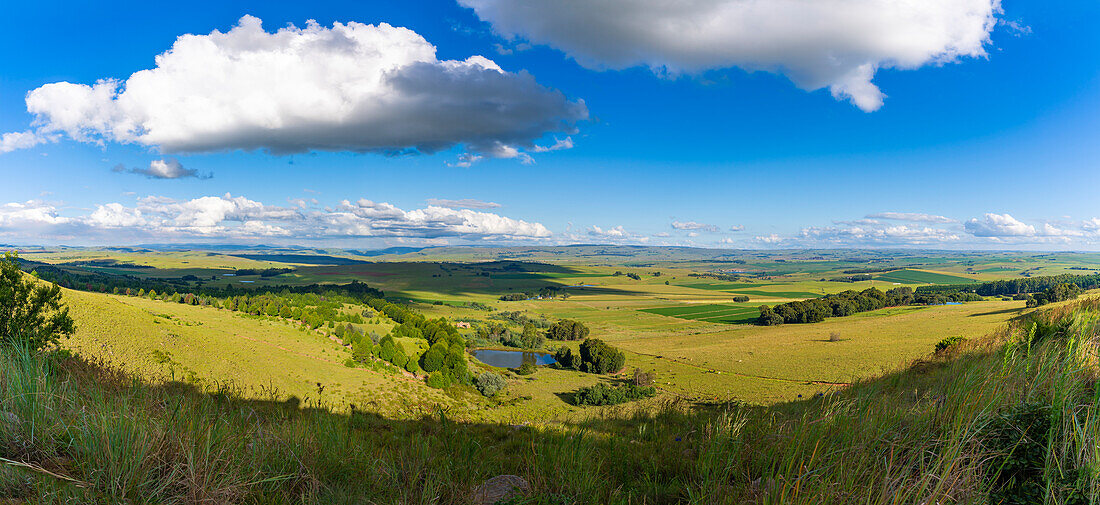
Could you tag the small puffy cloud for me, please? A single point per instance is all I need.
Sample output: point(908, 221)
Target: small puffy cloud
point(21, 140)
point(167, 168)
point(737, 227)
point(616, 234)
point(694, 226)
point(911, 216)
point(465, 203)
point(350, 87)
point(771, 239)
point(999, 225)
point(834, 44)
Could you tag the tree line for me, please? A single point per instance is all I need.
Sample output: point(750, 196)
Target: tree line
point(850, 302)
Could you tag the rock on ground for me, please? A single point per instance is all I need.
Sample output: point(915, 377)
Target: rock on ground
point(500, 488)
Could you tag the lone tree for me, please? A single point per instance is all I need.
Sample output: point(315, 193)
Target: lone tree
point(31, 312)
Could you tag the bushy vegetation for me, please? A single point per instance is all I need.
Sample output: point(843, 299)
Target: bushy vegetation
point(948, 343)
point(567, 329)
point(604, 394)
point(1058, 293)
point(489, 383)
point(595, 356)
point(31, 313)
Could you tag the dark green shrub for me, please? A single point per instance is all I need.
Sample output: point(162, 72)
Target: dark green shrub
point(948, 343)
point(399, 359)
point(433, 359)
point(567, 330)
point(603, 394)
point(438, 380)
point(598, 357)
point(526, 369)
point(566, 359)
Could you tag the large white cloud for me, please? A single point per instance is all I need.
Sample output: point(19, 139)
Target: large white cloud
point(999, 225)
point(835, 44)
point(351, 87)
point(232, 217)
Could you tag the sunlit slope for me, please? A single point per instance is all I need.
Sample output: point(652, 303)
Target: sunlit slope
point(210, 346)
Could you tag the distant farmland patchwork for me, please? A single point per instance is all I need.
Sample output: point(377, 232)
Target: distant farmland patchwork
point(711, 313)
point(919, 277)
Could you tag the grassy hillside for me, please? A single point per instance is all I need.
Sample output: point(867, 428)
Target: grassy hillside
point(1008, 419)
point(261, 356)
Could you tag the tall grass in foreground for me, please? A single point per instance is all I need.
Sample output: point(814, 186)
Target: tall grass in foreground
point(1011, 419)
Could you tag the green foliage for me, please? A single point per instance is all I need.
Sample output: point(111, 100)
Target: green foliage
point(388, 349)
point(489, 383)
point(603, 394)
point(399, 359)
point(599, 357)
point(1018, 439)
point(567, 330)
point(531, 337)
point(438, 379)
point(567, 359)
point(432, 360)
point(526, 369)
point(841, 304)
point(31, 313)
point(948, 343)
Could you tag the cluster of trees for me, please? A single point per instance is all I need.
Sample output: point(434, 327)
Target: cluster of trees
point(595, 356)
point(719, 277)
point(520, 318)
point(1019, 286)
point(851, 278)
point(841, 304)
point(604, 394)
point(1059, 293)
point(567, 329)
point(546, 292)
point(851, 302)
point(263, 272)
point(529, 338)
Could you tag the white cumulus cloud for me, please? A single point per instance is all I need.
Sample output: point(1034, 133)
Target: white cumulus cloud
point(694, 226)
point(834, 44)
point(350, 87)
point(999, 225)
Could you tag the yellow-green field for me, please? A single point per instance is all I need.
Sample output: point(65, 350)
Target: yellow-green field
point(678, 319)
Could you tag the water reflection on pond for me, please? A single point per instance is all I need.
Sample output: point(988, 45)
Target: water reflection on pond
point(512, 359)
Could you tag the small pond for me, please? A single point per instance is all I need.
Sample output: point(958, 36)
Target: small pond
point(512, 359)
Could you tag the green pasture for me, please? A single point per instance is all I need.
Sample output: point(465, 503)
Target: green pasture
point(922, 277)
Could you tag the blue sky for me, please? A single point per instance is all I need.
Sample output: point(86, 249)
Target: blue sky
point(994, 150)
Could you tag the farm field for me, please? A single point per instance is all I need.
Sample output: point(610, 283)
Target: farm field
point(674, 316)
